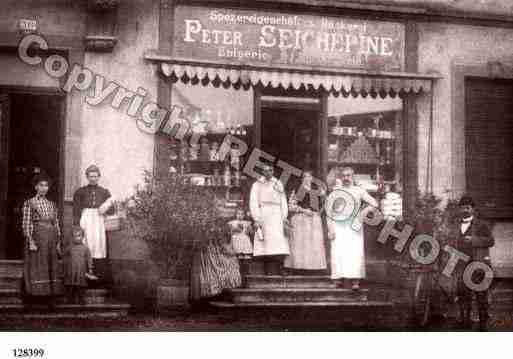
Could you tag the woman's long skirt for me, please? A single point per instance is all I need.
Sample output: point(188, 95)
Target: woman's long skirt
point(307, 249)
point(93, 224)
point(41, 270)
point(347, 252)
point(213, 271)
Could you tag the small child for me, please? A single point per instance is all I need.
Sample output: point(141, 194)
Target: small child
point(240, 230)
point(77, 267)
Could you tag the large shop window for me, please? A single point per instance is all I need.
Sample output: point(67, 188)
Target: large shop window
point(213, 112)
point(365, 134)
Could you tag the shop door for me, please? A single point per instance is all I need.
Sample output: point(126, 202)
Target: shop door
point(489, 145)
point(4, 159)
point(291, 132)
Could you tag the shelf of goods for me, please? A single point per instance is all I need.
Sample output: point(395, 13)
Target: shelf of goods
point(201, 165)
point(367, 143)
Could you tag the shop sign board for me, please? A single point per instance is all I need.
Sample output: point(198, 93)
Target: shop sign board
point(261, 37)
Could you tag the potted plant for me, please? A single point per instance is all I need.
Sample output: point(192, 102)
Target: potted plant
point(174, 218)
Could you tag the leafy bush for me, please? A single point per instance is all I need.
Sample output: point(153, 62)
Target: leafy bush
point(174, 218)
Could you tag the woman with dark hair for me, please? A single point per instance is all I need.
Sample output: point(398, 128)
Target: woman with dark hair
point(307, 249)
point(91, 204)
point(43, 242)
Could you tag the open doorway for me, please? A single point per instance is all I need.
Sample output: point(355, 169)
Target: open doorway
point(290, 131)
point(32, 141)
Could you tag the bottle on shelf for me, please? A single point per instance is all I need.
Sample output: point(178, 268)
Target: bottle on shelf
point(227, 176)
point(237, 178)
point(194, 149)
point(214, 151)
point(235, 158)
point(217, 181)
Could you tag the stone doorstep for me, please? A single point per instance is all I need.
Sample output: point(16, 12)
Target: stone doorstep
point(93, 296)
point(71, 315)
point(262, 281)
point(10, 296)
point(297, 295)
point(11, 282)
point(11, 268)
point(66, 307)
point(320, 305)
point(105, 310)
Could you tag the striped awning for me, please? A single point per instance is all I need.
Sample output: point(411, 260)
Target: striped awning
point(330, 80)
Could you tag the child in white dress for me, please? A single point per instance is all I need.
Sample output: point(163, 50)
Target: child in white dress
point(241, 229)
point(240, 232)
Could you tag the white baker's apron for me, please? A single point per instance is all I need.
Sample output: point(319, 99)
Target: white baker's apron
point(93, 224)
point(275, 242)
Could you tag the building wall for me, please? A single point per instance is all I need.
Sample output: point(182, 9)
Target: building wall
point(111, 138)
point(95, 134)
point(456, 50)
point(55, 18)
point(442, 47)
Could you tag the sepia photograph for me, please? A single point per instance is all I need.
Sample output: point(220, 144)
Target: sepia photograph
point(256, 166)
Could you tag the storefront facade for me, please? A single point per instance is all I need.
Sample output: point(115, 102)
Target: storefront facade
point(423, 70)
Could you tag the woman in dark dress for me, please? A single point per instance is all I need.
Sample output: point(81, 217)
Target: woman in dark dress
point(43, 243)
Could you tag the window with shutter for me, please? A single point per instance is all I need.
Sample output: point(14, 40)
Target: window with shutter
point(489, 145)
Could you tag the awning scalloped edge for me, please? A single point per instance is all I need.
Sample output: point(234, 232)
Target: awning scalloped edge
point(354, 80)
point(346, 83)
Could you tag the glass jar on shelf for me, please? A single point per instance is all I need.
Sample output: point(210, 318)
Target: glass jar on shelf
point(217, 179)
point(227, 175)
point(193, 152)
point(214, 151)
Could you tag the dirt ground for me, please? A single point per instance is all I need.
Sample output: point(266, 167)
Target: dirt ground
point(209, 322)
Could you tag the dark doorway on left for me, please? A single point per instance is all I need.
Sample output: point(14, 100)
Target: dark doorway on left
point(31, 142)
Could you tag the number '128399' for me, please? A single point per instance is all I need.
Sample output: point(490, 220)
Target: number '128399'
point(28, 353)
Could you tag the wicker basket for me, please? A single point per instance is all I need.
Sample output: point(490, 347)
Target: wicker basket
point(112, 223)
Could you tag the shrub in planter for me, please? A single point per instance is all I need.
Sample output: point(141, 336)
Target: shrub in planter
point(175, 219)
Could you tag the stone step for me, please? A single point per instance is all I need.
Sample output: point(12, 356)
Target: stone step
point(11, 274)
point(276, 281)
point(10, 296)
point(104, 310)
point(252, 295)
point(93, 296)
point(328, 304)
point(11, 269)
point(11, 283)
